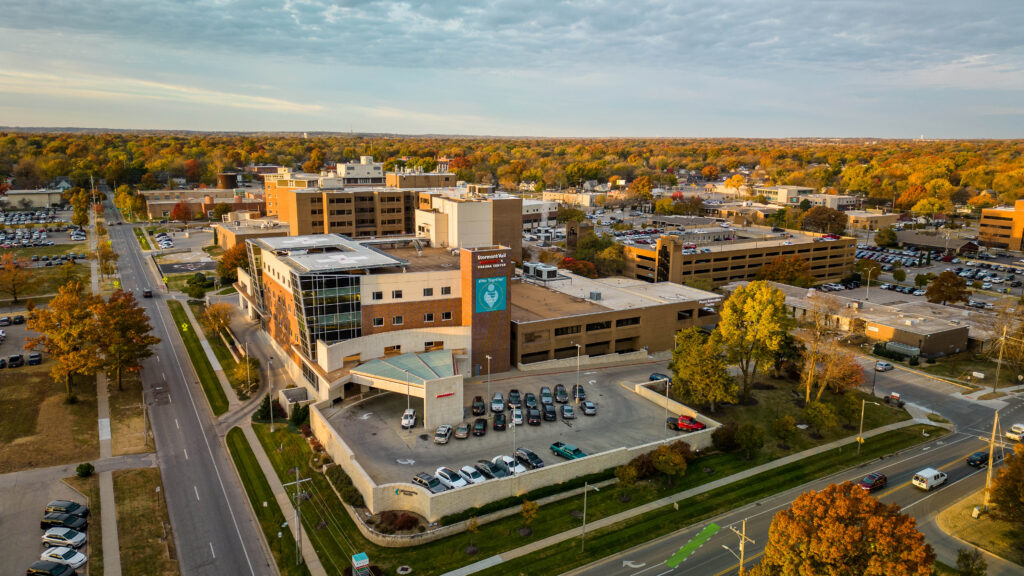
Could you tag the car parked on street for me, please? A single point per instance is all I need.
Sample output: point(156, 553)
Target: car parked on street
point(873, 481)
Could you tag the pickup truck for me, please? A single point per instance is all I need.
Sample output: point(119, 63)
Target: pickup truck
point(567, 451)
point(685, 423)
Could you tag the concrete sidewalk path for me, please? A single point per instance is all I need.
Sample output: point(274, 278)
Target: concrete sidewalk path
point(233, 401)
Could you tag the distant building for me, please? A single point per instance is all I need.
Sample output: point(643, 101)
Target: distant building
point(1002, 227)
point(580, 199)
point(420, 180)
point(24, 199)
point(870, 220)
point(936, 242)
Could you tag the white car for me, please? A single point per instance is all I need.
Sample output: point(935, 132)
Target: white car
point(450, 478)
point(63, 555)
point(471, 475)
point(64, 537)
point(883, 366)
point(1016, 432)
point(517, 416)
point(409, 418)
point(509, 463)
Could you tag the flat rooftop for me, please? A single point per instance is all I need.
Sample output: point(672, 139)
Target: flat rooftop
point(427, 258)
point(327, 253)
point(572, 296)
point(745, 238)
point(253, 226)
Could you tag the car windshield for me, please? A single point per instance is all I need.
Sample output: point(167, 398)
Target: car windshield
point(869, 478)
point(69, 554)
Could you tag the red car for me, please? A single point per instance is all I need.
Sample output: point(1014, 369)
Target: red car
point(873, 481)
point(685, 423)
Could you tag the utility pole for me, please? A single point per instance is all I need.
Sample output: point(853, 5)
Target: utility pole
point(991, 463)
point(743, 542)
point(298, 514)
point(999, 364)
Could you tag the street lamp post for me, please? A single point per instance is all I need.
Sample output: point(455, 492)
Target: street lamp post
point(860, 435)
point(867, 293)
point(874, 378)
point(668, 384)
point(270, 380)
point(488, 377)
point(583, 534)
point(578, 349)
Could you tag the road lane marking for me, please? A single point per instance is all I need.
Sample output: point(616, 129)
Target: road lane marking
point(197, 491)
point(692, 546)
point(943, 467)
point(176, 425)
point(737, 565)
point(185, 450)
point(214, 554)
point(934, 492)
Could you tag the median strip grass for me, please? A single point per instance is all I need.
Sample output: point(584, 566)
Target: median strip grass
point(207, 377)
point(623, 535)
point(261, 497)
point(142, 238)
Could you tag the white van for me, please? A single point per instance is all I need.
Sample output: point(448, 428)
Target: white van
point(929, 478)
point(1016, 432)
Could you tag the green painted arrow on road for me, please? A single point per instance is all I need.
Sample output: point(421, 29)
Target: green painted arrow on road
point(692, 546)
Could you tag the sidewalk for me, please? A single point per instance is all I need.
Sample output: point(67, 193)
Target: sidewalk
point(309, 555)
point(233, 401)
point(667, 501)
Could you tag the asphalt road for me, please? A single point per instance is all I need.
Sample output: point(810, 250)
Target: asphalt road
point(948, 453)
point(214, 530)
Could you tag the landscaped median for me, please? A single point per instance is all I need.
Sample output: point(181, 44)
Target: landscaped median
point(335, 536)
point(261, 497)
point(207, 377)
point(143, 241)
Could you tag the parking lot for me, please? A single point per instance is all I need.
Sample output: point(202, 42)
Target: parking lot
point(388, 453)
point(23, 497)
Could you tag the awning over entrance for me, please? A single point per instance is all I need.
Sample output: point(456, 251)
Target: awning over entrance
point(417, 368)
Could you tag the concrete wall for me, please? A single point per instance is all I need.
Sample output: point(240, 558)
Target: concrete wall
point(443, 401)
point(411, 284)
point(332, 357)
point(638, 356)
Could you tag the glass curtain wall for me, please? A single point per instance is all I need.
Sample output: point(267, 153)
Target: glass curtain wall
point(328, 307)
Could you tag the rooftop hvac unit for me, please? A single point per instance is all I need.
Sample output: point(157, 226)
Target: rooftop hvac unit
point(529, 268)
point(595, 295)
point(546, 272)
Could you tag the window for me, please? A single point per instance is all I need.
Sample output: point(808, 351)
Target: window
point(599, 326)
point(396, 294)
point(446, 316)
point(428, 317)
point(627, 322)
point(566, 330)
point(397, 321)
point(378, 295)
point(392, 349)
point(446, 290)
point(378, 322)
point(428, 291)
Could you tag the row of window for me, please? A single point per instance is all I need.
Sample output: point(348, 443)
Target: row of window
point(397, 294)
point(399, 320)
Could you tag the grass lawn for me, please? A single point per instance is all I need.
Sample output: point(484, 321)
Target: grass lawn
point(141, 236)
point(127, 435)
point(94, 547)
point(144, 529)
point(227, 361)
point(228, 290)
point(961, 366)
point(998, 537)
point(46, 281)
point(940, 569)
point(339, 537)
point(207, 377)
point(270, 516)
point(772, 404)
point(51, 251)
point(178, 281)
point(32, 403)
point(214, 251)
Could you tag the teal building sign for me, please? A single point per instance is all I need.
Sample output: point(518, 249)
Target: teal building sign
point(490, 294)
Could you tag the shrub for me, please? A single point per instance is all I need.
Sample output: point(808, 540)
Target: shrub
point(914, 361)
point(750, 439)
point(724, 438)
point(343, 484)
point(300, 415)
point(85, 469)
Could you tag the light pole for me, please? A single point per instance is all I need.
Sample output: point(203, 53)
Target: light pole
point(743, 544)
point(583, 534)
point(668, 384)
point(407, 391)
point(270, 380)
point(867, 293)
point(860, 435)
point(488, 377)
point(577, 390)
point(874, 378)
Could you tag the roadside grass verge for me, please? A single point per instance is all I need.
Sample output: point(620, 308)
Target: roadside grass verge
point(147, 544)
point(126, 421)
point(270, 516)
point(996, 536)
point(335, 536)
point(207, 377)
point(47, 280)
point(227, 361)
point(32, 403)
point(55, 250)
point(94, 546)
point(962, 366)
point(624, 535)
point(141, 236)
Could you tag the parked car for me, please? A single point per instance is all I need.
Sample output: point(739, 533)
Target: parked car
point(517, 416)
point(35, 359)
point(545, 395)
point(929, 478)
point(589, 408)
point(409, 418)
point(567, 412)
point(567, 451)
point(561, 394)
point(471, 475)
point(479, 427)
point(655, 376)
point(442, 434)
point(479, 408)
point(67, 507)
point(510, 464)
point(450, 478)
point(66, 556)
point(1015, 432)
point(64, 537)
point(490, 469)
point(873, 481)
point(433, 485)
point(685, 423)
point(49, 568)
point(883, 366)
point(578, 393)
point(56, 519)
point(980, 459)
point(499, 421)
point(497, 403)
point(530, 400)
point(461, 431)
point(533, 417)
point(548, 412)
point(515, 400)
point(18, 320)
point(15, 361)
point(529, 458)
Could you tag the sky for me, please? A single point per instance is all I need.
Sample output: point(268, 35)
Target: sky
point(576, 68)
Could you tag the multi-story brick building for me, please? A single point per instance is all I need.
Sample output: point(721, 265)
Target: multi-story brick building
point(1003, 227)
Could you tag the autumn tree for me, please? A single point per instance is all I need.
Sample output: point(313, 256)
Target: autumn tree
point(216, 317)
point(220, 209)
point(868, 269)
point(844, 531)
point(983, 200)
point(230, 261)
point(709, 172)
point(640, 189)
point(753, 325)
point(910, 197)
point(1008, 489)
point(971, 562)
point(947, 287)
point(105, 257)
point(700, 374)
point(669, 463)
point(66, 330)
point(931, 206)
point(123, 333)
point(840, 372)
point(735, 182)
point(568, 214)
point(14, 275)
point(181, 212)
point(529, 511)
point(792, 270)
point(886, 238)
point(820, 416)
point(825, 220)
